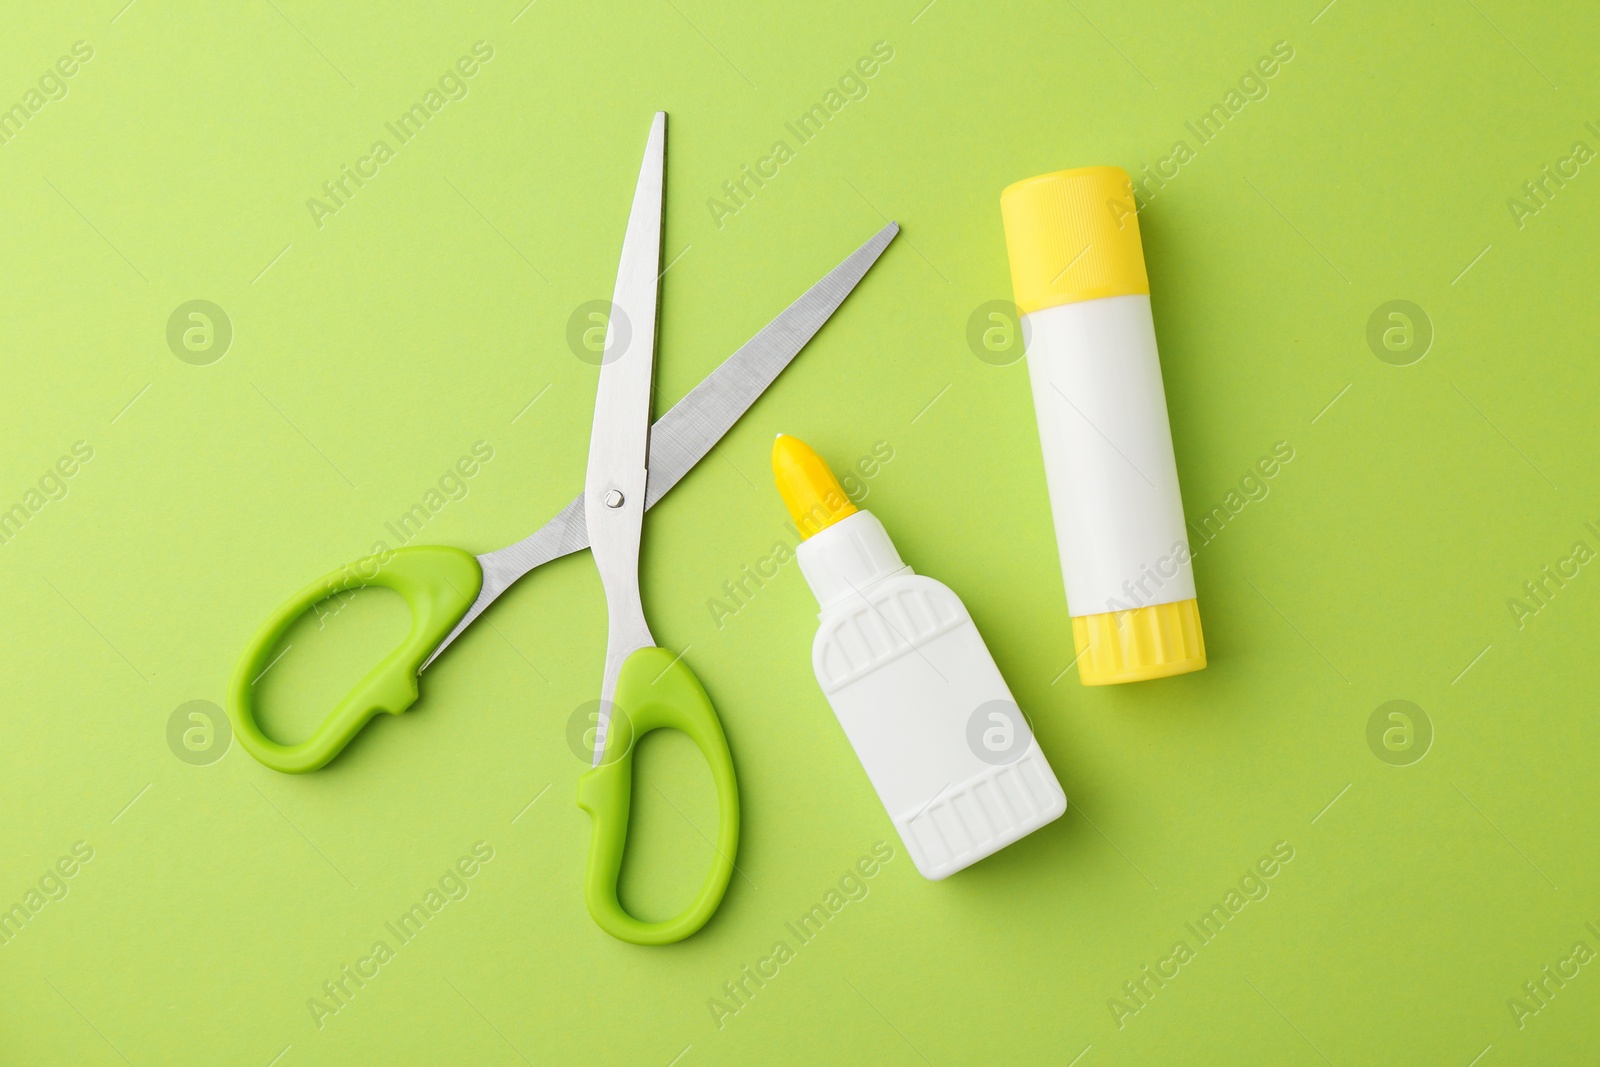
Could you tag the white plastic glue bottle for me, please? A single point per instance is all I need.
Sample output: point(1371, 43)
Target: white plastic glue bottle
point(1077, 270)
point(912, 683)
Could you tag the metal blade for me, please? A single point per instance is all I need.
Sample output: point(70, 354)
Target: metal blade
point(682, 437)
point(619, 443)
point(698, 421)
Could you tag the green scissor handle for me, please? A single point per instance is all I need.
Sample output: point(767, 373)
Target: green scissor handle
point(438, 583)
point(655, 689)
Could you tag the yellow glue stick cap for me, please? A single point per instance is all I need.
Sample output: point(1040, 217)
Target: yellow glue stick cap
point(812, 494)
point(1073, 235)
point(1154, 641)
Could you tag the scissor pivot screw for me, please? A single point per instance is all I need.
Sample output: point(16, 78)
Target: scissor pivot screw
point(614, 498)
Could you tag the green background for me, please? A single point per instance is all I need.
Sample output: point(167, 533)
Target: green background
point(372, 352)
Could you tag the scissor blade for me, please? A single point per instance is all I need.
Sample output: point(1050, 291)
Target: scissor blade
point(681, 437)
point(619, 444)
point(698, 421)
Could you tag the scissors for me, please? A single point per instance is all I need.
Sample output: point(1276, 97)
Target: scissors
point(631, 465)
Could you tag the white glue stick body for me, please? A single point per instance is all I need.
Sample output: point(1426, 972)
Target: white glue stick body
point(913, 685)
point(1078, 272)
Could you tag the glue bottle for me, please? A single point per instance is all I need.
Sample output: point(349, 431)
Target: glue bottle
point(912, 683)
point(1078, 275)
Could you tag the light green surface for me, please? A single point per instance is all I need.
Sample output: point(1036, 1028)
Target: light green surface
point(369, 355)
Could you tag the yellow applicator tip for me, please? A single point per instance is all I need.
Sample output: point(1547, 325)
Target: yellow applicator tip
point(812, 494)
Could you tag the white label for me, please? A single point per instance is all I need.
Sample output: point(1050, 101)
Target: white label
point(1108, 455)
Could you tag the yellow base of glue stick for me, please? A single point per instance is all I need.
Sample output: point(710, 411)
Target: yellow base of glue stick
point(909, 678)
point(1077, 270)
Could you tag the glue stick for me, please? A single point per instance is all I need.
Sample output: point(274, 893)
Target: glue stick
point(1078, 275)
point(911, 682)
